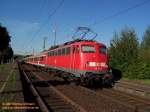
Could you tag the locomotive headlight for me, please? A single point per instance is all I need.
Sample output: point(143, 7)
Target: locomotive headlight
point(92, 64)
point(97, 64)
point(103, 64)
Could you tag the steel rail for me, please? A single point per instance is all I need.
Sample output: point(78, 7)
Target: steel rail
point(134, 108)
point(39, 100)
point(81, 109)
point(129, 106)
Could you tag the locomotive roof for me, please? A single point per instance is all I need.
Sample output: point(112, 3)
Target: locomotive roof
point(74, 42)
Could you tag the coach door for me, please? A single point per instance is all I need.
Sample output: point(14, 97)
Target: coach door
point(75, 57)
point(72, 58)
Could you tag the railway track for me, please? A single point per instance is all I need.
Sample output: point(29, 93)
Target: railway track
point(133, 88)
point(86, 99)
point(130, 100)
point(133, 102)
point(47, 97)
point(120, 100)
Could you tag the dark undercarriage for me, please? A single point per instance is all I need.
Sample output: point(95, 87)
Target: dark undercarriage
point(88, 79)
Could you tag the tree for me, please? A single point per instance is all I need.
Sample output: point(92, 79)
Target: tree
point(113, 51)
point(145, 44)
point(144, 56)
point(6, 51)
point(4, 38)
point(123, 49)
point(7, 54)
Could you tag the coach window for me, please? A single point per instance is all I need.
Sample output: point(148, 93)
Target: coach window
point(59, 52)
point(49, 53)
point(52, 53)
point(42, 58)
point(67, 50)
point(63, 51)
point(102, 50)
point(88, 49)
point(55, 53)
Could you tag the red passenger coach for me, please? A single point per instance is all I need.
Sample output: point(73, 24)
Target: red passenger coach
point(85, 61)
point(36, 60)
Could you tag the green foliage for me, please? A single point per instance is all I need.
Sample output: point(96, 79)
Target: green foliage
point(144, 72)
point(128, 56)
point(144, 56)
point(4, 38)
point(7, 54)
point(145, 44)
point(123, 49)
point(6, 51)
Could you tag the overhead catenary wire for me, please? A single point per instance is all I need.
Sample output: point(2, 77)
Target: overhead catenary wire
point(50, 16)
point(117, 14)
point(46, 21)
point(97, 22)
point(120, 12)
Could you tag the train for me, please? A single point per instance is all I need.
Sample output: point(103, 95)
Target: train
point(84, 61)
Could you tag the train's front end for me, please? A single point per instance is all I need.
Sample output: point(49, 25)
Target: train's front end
point(94, 63)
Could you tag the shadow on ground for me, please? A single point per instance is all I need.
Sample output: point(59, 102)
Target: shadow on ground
point(51, 82)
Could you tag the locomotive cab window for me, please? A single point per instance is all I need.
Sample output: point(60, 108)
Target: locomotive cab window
point(102, 50)
point(88, 49)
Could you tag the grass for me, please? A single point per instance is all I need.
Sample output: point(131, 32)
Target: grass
point(142, 81)
point(6, 69)
point(2, 67)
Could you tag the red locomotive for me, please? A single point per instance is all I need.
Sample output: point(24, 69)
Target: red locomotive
point(85, 60)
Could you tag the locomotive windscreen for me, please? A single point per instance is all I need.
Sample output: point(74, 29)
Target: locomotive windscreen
point(88, 49)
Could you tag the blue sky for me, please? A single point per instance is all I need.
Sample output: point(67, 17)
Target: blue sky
point(24, 18)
